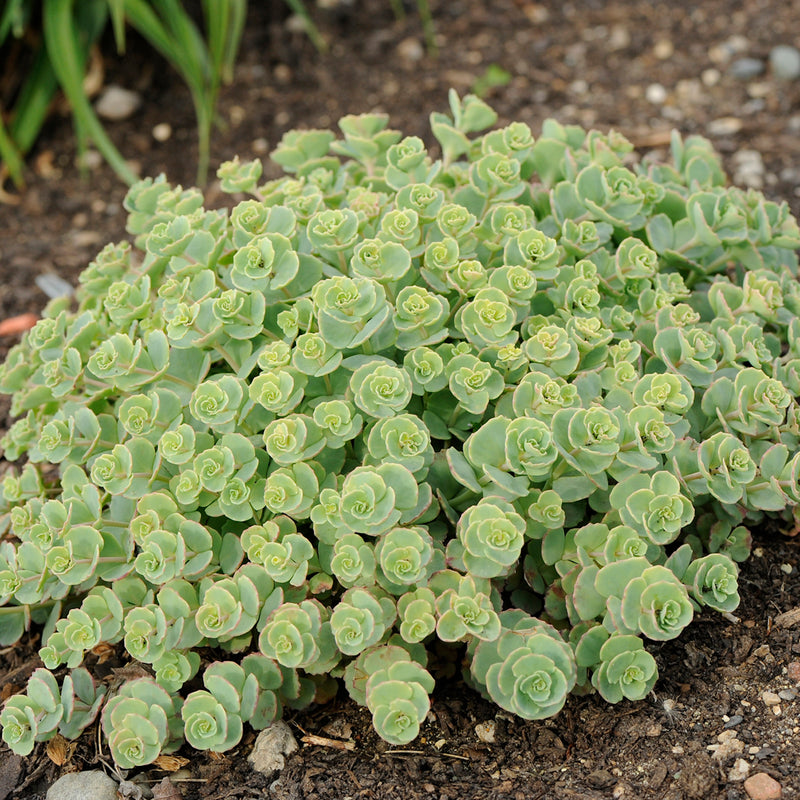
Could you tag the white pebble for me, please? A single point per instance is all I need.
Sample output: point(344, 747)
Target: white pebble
point(162, 131)
point(655, 94)
point(724, 126)
point(117, 103)
point(739, 771)
point(485, 731)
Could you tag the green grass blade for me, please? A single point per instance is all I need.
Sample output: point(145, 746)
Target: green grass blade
point(116, 9)
point(235, 31)
point(217, 21)
point(63, 47)
point(176, 37)
point(397, 8)
point(424, 8)
point(299, 8)
point(10, 156)
point(14, 19)
point(33, 102)
point(188, 38)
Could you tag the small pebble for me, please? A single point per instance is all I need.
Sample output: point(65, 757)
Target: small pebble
point(117, 103)
point(282, 73)
point(485, 731)
point(734, 721)
point(710, 77)
point(620, 38)
point(762, 787)
point(787, 694)
point(793, 671)
point(746, 68)
point(296, 23)
point(785, 62)
point(728, 746)
point(410, 49)
point(739, 771)
point(723, 53)
point(655, 94)
point(760, 89)
point(724, 126)
point(663, 49)
point(754, 106)
point(80, 785)
point(786, 569)
point(89, 159)
point(770, 698)
point(162, 131)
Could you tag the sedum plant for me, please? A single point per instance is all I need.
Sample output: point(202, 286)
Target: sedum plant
point(524, 399)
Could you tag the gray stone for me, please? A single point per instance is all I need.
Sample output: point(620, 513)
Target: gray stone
point(785, 62)
point(746, 68)
point(93, 784)
point(53, 285)
point(116, 103)
point(272, 744)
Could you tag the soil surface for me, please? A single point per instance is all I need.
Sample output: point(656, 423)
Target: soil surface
point(638, 67)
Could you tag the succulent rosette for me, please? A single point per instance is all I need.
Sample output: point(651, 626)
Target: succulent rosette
point(642, 598)
point(464, 608)
point(491, 534)
point(625, 669)
point(298, 635)
point(712, 582)
point(527, 670)
point(360, 619)
point(137, 723)
point(654, 506)
point(380, 390)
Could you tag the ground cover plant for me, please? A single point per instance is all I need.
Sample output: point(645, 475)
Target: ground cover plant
point(523, 400)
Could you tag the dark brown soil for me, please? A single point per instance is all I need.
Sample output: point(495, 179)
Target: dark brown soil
point(588, 62)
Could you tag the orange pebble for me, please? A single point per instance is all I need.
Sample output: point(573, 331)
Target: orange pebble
point(18, 324)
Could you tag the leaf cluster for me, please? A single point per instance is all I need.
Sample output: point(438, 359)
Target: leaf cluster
point(524, 399)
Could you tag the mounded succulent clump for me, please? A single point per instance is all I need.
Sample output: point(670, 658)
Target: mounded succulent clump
point(523, 398)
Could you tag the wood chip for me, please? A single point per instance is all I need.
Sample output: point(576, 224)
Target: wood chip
point(171, 763)
point(322, 741)
point(640, 139)
point(788, 618)
point(103, 651)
